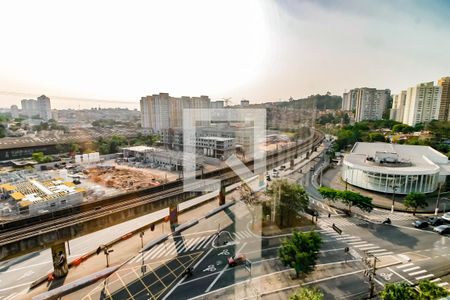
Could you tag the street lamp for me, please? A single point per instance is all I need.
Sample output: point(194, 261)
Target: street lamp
point(437, 200)
point(394, 188)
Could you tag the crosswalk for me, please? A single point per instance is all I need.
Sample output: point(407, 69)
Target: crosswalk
point(355, 243)
point(418, 273)
point(379, 215)
point(340, 221)
point(324, 206)
point(179, 246)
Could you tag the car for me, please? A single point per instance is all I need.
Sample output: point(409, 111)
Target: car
point(446, 216)
point(420, 224)
point(443, 229)
point(236, 260)
point(436, 221)
point(268, 178)
point(282, 168)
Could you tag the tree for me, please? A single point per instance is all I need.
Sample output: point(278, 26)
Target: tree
point(376, 137)
point(40, 158)
point(348, 198)
point(328, 193)
point(306, 293)
point(415, 200)
point(292, 199)
point(429, 290)
point(398, 291)
point(300, 251)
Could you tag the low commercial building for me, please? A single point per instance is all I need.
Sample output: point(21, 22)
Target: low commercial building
point(393, 168)
point(155, 157)
point(33, 196)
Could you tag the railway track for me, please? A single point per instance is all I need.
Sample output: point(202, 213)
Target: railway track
point(19, 230)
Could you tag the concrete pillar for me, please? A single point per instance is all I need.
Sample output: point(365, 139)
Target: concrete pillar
point(59, 256)
point(173, 213)
point(222, 193)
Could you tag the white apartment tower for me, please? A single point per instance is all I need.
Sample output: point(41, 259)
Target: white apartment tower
point(44, 108)
point(398, 106)
point(371, 103)
point(422, 103)
point(160, 112)
point(349, 100)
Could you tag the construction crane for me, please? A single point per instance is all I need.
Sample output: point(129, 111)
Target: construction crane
point(226, 101)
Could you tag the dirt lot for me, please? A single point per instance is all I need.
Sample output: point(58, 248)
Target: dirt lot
point(125, 178)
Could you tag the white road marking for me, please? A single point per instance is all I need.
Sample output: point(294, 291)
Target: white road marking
point(402, 277)
point(223, 270)
point(192, 244)
point(175, 247)
point(436, 279)
point(411, 269)
point(199, 243)
point(424, 276)
point(442, 284)
point(404, 266)
point(357, 243)
point(377, 250)
point(364, 245)
point(369, 248)
point(182, 279)
point(417, 273)
point(384, 253)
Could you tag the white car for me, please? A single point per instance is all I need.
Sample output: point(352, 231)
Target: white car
point(446, 216)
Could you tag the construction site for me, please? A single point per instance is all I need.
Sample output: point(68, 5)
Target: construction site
point(125, 178)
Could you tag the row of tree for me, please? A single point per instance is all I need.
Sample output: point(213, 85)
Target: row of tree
point(349, 198)
point(426, 290)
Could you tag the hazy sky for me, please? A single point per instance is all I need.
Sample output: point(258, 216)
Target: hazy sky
point(258, 50)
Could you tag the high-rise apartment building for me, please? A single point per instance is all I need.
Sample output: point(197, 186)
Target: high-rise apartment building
point(371, 103)
point(349, 100)
point(44, 108)
point(40, 107)
point(398, 106)
point(161, 111)
point(444, 107)
point(422, 103)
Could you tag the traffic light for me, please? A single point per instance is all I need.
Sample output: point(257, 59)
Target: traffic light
point(152, 227)
point(99, 249)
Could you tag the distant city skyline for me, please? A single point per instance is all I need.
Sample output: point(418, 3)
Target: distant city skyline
point(258, 50)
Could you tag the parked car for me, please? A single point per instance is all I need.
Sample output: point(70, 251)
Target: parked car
point(446, 216)
point(436, 221)
point(236, 260)
point(282, 168)
point(420, 224)
point(443, 229)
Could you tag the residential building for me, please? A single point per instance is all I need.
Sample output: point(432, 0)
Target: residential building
point(371, 103)
point(245, 103)
point(217, 104)
point(422, 103)
point(398, 106)
point(349, 100)
point(37, 108)
point(14, 111)
point(444, 107)
point(44, 109)
point(161, 111)
point(29, 107)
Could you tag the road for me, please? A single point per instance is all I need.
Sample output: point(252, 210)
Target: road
point(404, 253)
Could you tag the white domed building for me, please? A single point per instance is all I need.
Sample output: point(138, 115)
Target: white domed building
point(394, 168)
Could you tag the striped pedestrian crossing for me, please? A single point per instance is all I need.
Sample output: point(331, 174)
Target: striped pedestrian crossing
point(180, 246)
point(418, 273)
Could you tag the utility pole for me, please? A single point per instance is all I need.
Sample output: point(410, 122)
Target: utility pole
point(370, 261)
point(394, 188)
point(437, 200)
point(141, 235)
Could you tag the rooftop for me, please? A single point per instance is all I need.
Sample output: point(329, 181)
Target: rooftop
point(397, 159)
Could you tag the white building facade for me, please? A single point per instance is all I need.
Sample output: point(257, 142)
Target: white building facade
point(371, 103)
point(390, 168)
point(422, 103)
point(398, 106)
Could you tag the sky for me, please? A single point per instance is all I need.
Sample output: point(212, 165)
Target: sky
point(110, 53)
